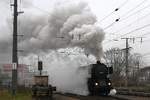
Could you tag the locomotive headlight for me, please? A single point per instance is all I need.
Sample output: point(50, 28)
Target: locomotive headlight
point(109, 83)
point(96, 84)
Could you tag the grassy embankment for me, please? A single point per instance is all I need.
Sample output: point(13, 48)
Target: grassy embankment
point(21, 95)
point(135, 88)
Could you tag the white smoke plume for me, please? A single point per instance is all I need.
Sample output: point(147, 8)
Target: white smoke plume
point(67, 26)
point(65, 71)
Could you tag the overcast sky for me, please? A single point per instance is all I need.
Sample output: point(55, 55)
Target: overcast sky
point(134, 19)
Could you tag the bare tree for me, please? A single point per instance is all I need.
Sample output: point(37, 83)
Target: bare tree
point(116, 57)
point(135, 61)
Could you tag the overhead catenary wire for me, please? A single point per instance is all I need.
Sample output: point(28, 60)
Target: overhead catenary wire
point(111, 24)
point(146, 54)
point(123, 4)
point(44, 11)
point(141, 41)
point(110, 40)
point(115, 10)
point(147, 25)
point(147, 33)
point(109, 15)
point(146, 40)
point(124, 18)
point(139, 28)
point(132, 14)
point(141, 37)
point(139, 19)
point(138, 5)
point(131, 24)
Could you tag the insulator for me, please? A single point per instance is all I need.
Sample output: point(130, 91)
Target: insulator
point(141, 39)
point(117, 20)
point(116, 9)
point(133, 40)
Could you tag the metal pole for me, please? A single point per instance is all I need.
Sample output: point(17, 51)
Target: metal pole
point(40, 72)
point(127, 48)
point(126, 57)
point(14, 50)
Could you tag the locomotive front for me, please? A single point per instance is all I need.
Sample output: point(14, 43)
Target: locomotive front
point(99, 82)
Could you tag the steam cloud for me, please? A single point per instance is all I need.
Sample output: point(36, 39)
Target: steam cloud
point(67, 26)
point(66, 72)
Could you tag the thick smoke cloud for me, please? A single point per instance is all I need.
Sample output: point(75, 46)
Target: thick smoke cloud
point(67, 25)
point(65, 71)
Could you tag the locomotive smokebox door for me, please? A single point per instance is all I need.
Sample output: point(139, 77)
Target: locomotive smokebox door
point(40, 65)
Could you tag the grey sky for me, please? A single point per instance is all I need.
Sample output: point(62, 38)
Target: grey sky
point(100, 8)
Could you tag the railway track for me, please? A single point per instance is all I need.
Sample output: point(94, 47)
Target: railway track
point(59, 96)
point(74, 97)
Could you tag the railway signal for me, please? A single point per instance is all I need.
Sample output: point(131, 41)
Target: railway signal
point(40, 67)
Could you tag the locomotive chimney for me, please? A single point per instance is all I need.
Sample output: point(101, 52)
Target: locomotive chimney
point(98, 62)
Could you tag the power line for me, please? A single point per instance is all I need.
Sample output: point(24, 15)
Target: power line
point(123, 4)
point(147, 25)
point(134, 13)
point(41, 10)
point(111, 24)
point(109, 15)
point(124, 18)
point(116, 39)
point(141, 36)
point(146, 54)
point(106, 17)
point(146, 34)
point(117, 9)
point(134, 8)
point(127, 16)
point(131, 23)
point(146, 40)
point(130, 32)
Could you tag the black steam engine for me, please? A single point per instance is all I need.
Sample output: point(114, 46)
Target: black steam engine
point(99, 82)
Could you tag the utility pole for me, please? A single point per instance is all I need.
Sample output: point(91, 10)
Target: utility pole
point(127, 65)
point(15, 47)
point(127, 55)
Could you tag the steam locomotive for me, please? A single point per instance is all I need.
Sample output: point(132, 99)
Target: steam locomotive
point(99, 82)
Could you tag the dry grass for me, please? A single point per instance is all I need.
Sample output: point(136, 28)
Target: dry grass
point(135, 88)
point(6, 95)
